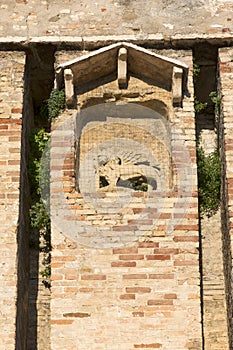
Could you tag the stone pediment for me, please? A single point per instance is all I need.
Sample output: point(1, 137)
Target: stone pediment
point(121, 61)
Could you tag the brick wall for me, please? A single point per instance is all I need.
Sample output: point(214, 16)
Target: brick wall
point(11, 99)
point(141, 294)
point(225, 90)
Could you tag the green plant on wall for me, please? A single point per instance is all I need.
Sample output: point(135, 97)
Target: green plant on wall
point(209, 181)
point(216, 101)
point(196, 71)
point(39, 216)
point(56, 103)
point(199, 106)
point(39, 178)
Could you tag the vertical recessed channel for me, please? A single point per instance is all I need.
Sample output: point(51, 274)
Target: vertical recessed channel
point(33, 303)
point(207, 107)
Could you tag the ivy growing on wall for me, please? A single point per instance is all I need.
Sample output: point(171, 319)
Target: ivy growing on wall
point(39, 179)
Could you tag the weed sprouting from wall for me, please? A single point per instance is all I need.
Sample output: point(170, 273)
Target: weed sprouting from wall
point(209, 181)
point(56, 103)
point(199, 106)
point(216, 101)
point(196, 71)
point(39, 216)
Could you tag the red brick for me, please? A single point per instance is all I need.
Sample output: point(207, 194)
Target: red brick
point(55, 277)
point(141, 222)
point(148, 245)
point(228, 147)
point(138, 194)
point(64, 258)
point(138, 290)
point(166, 251)
point(127, 296)
point(123, 264)
point(12, 195)
point(187, 227)
point(68, 167)
point(61, 322)
point(56, 265)
point(10, 121)
point(162, 228)
point(71, 290)
point(76, 206)
point(158, 257)
point(14, 138)
point(186, 216)
point(93, 277)
point(14, 162)
point(71, 277)
point(125, 251)
point(86, 290)
point(185, 263)
point(15, 179)
point(77, 314)
point(137, 210)
point(135, 276)
point(186, 238)
point(125, 228)
point(138, 314)
point(160, 302)
point(225, 69)
point(170, 296)
point(81, 217)
point(165, 276)
point(165, 216)
point(132, 257)
point(148, 346)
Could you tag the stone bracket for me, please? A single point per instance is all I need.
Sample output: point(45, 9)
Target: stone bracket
point(69, 88)
point(122, 67)
point(177, 85)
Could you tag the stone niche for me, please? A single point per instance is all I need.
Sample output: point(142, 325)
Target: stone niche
point(121, 75)
point(125, 264)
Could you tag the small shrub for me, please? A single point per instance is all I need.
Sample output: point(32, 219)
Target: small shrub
point(209, 181)
point(199, 106)
point(56, 103)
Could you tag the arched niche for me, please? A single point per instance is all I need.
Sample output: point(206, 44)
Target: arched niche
point(123, 74)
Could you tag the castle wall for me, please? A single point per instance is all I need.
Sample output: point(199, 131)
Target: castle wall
point(145, 292)
point(11, 104)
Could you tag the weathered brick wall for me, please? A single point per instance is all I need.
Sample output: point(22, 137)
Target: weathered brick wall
point(225, 90)
point(24, 20)
point(11, 104)
point(145, 293)
point(215, 316)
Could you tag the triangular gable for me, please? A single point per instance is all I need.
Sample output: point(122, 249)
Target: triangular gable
point(123, 59)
